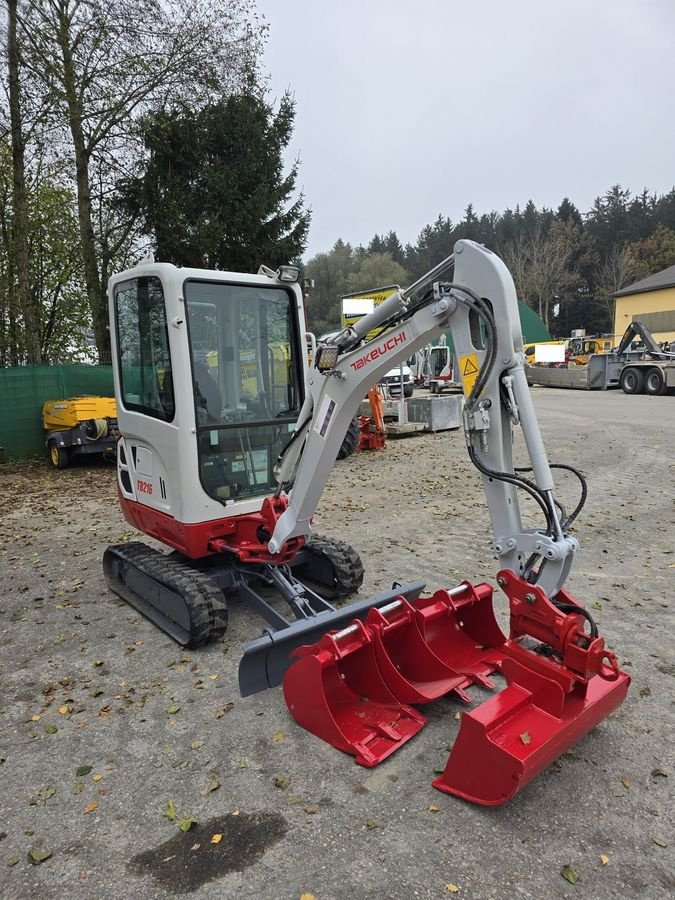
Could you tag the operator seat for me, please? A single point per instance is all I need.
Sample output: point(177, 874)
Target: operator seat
point(207, 392)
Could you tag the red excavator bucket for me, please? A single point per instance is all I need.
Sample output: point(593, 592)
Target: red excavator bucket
point(508, 740)
point(461, 629)
point(353, 687)
point(335, 690)
point(407, 664)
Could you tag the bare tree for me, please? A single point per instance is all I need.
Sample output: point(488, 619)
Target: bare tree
point(101, 65)
point(541, 267)
point(21, 292)
point(616, 271)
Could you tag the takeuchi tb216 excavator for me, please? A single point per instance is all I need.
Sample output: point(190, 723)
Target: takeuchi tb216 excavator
point(228, 437)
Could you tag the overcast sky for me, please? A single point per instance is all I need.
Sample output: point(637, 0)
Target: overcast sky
point(407, 109)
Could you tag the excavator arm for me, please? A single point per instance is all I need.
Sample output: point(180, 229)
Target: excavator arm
point(479, 307)
point(354, 688)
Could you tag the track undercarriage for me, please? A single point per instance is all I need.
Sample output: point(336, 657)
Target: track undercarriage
point(187, 598)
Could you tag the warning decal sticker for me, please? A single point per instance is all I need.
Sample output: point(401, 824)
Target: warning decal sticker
point(469, 369)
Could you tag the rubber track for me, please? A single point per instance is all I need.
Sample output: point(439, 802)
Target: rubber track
point(346, 562)
point(351, 440)
point(203, 598)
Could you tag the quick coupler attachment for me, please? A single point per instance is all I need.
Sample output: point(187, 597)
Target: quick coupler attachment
point(559, 687)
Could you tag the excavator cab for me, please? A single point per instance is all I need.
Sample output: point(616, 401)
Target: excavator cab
point(210, 373)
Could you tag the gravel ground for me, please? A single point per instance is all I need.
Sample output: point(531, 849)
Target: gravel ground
point(105, 720)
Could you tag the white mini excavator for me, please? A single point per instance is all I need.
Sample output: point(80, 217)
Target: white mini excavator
point(228, 436)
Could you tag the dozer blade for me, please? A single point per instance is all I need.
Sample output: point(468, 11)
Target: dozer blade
point(508, 740)
point(335, 690)
point(266, 659)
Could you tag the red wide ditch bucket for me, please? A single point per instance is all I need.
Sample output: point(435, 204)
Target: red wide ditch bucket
point(335, 690)
point(508, 740)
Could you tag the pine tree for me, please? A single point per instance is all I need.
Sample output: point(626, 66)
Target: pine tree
point(214, 193)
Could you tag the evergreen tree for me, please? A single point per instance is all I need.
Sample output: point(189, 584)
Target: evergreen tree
point(213, 193)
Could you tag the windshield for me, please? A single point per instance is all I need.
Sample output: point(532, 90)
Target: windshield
point(247, 375)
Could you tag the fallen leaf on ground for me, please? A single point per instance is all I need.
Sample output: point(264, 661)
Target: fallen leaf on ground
point(660, 842)
point(223, 709)
point(570, 874)
point(452, 888)
point(196, 745)
point(311, 810)
point(370, 824)
point(172, 710)
point(51, 729)
point(90, 807)
point(282, 781)
point(604, 859)
point(83, 770)
point(216, 839)
point(38, 856)
point(213, 785)
point(186, 823)
point(432, 808)
point(625, 782)
point(278, 736)
point(170, 811)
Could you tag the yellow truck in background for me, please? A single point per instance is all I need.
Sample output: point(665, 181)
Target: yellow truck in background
point(79, 425)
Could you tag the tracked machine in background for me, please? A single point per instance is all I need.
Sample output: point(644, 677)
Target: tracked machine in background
point(228, 471)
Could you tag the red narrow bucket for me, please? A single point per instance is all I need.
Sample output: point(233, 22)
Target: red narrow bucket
point(335, 690)
point(408, 666)
point(508, 740)
point(461, 629)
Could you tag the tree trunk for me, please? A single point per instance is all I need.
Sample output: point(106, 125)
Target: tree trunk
point(24, 301)
point(95, 290)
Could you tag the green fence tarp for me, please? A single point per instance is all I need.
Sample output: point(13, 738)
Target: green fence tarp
point(24, 389)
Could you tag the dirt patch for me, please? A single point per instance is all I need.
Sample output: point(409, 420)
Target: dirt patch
point(191, 859)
